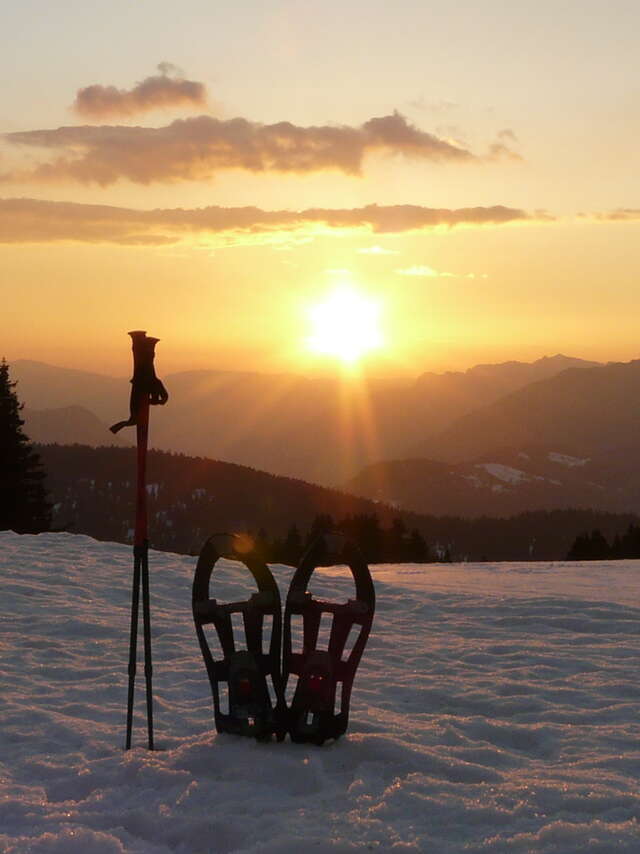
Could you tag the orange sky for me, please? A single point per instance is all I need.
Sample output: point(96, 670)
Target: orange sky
point(476, 174)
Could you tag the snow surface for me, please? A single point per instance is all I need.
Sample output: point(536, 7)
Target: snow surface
point(496, 711)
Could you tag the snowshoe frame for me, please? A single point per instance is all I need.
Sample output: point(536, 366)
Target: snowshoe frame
point(252, 710)
point(314, 715)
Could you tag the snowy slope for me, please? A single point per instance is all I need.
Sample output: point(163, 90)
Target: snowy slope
point(496, 711)
point(505, 482)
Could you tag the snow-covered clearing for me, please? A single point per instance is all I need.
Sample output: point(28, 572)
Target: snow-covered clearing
point(505, 473)
point(566, 460)
point(496, 710)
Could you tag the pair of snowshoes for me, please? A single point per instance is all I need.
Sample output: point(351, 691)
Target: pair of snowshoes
point(250, 685)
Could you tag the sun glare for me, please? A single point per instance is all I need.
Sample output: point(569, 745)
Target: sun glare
point(345, 325)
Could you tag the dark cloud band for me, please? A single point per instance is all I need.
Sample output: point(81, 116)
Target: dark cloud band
point(35, 221)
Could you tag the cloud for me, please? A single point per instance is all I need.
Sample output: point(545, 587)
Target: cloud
point(500, 151)
point(433, 106)
point(502, 148)
point(429, 272)
point(168, 68)
point(199, 147)
point(377, 250)
point(35, 221)
point(422, 270)
point(617, 215)
point(152, 93)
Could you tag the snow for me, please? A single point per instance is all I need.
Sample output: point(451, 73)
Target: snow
point(496, 712)
point(472, 478)
point(566, 460)
point(505, 473)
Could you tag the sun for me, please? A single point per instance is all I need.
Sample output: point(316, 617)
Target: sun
point(346, 325)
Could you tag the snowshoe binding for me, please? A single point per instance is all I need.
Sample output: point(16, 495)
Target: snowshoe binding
point(242, 674)
point(319, 707)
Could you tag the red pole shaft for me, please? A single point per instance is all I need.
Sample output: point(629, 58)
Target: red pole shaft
point(142, 436)
point(145, 387)
point(141, 549)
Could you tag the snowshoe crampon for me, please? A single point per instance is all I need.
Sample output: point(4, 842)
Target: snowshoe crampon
point(244, 672)
point(324, 677)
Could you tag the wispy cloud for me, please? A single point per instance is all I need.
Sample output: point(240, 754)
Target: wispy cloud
point(617, 215)
point(377, 250)
point(199, 147)
point(423, 271)
point(503, 147)
point(157, 92)
point(432, 106)
point(32, 220)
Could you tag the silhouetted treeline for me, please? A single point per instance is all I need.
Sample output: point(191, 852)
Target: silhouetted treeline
point(191, 497)
point(595, 546)
point(379, 545)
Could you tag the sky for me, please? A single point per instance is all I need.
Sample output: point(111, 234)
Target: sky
point(214, 174)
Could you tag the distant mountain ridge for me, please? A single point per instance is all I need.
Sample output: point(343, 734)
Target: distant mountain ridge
point(588, 419)
point(320, 429)
point(69, 425)
point(505, 482)
point(590, 409)
point(42, 386)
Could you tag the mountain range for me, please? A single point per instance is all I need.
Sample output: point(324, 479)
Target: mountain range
point(320, 429)
point(505, 482)
point(494, 440)
point(585, 410)
point(69, 425)
point(567, 441)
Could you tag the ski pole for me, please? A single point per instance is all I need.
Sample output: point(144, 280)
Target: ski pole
point(146, 389)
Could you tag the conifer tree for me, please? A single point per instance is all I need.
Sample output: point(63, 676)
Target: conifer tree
point(396, 548)
point(418, 548)
point(292, 547)
point(23, 500)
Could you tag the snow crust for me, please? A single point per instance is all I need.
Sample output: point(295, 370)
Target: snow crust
point(496, 711)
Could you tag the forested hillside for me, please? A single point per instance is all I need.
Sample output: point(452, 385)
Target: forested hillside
point(192, 497)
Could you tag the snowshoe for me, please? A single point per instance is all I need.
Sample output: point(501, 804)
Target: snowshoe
point(319, 707)
point(243, 674)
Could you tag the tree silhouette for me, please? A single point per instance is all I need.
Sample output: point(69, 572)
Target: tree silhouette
point(593, 546)
point(23, 500)
point(292, 547)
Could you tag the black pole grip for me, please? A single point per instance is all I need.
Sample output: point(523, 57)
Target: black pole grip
point(144, 381)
